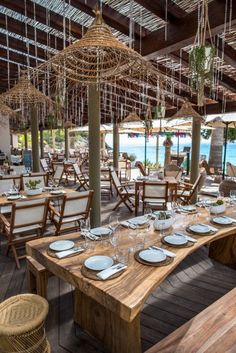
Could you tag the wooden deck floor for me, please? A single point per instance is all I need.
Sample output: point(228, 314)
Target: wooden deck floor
point(196, 283)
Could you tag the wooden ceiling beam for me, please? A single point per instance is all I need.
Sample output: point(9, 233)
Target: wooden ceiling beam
point(112, 17)
point(158, 8)
point(183, 33)
point(44, 16)
point(225, 51)
point(18, 27)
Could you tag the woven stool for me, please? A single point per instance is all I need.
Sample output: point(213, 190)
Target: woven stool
point(22, 325)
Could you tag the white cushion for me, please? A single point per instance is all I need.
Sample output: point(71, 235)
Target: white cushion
point(154, 201)
point(27, 228)
point(68, 219)
point(5, 209)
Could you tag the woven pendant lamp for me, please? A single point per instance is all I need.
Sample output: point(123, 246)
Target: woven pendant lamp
point(5, 110)
point(99, 57)
point(25, 93)
point(132, 118)
point(186, 111)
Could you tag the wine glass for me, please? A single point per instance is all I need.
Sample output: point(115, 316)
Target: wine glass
point(148, 214)
point(85, 229)
point(233, 197)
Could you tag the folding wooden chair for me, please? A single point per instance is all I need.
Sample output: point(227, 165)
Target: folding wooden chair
point(123, 192)
point(155, 195)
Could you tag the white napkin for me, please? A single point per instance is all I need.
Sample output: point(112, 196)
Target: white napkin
point(128, 225)
point(210, 227)
point(167, 252)
point(62, 254)
point(186, 237)
point(111, 271)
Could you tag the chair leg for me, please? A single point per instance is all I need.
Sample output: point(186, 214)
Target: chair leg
point(15, 256)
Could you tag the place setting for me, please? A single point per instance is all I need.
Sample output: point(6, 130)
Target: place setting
point(154, 256)
point(178, 240)
point(201, 229)
point(102, 267)
point(223, 220)
point(61, 249)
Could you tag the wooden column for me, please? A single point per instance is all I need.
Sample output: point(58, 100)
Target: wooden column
point(41, 143)
point(66, 143)
point(35, 139)
point(157, 149)
point(26, 139)
point(116, 144)
point(94, 152)
point(195, 153)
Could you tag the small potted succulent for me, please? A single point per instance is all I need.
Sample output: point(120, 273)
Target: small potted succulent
point(163, 220)
point(32, 187)
point(217, 207)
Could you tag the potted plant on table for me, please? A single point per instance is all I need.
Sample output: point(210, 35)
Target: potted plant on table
point(217, 207)
point(32, 187)
point(163, 220)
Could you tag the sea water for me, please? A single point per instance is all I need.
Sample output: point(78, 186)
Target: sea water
point(135, 145)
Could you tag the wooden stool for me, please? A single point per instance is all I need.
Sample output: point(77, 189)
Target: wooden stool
point(37, 277)
point(22, 324)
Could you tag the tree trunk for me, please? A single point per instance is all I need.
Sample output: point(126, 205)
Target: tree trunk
point(216, 148)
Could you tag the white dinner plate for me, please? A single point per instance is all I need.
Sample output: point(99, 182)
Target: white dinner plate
point(13, 192)
point(100, 231)
point(98, 263)
point(152, 255)
point(57, 192)
point(200, 228)
point(222, 220)
point(175, 240)
point(61, 245)
point(138, 221)
point(14, 197)
point(188, 208)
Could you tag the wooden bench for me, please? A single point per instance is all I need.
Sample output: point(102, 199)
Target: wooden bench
point(37, 277)
point(213, 330)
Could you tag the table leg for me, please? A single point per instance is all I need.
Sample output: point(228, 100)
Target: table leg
point(118, 335)
point(136, 200)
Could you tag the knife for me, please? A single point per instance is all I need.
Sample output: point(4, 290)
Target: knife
point(186, 237)
point(167, 252)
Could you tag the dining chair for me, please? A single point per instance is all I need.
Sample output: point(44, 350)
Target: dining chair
point(17, 169)
point(81, 177)
point(186, 191)
point(155, 195)
point(6, 184)
point(74, 208)
point(27, 222)
point(35, 176)
point(45, 166)
point(172, 170)
point(58, 174)
point(124, 169)
point(106, 182)
point(123, 192)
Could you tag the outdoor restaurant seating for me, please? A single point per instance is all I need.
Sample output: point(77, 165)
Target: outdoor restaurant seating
point(80, 177)
point(173, 170)
point(187, 190)
point(41, 177)
point(73, 209)
point(155, 195)
point(124, 192)
point(27, 221)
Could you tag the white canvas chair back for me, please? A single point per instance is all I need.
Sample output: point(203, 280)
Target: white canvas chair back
point(171, 170)
point(33, 214)
point(17, 169)
point(44, 164)
point(26, 179)
point(72, 159)
point(155, 190)
point(77, 203)
point(115, 179)
point(58, 172)
point(15, 159)
point(77, 169)
point(6, 184)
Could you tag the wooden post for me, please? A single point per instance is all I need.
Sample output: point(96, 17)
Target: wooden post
point(157, 148)
point(41, 143)
point(66, 143)
point(94, 152)
point(35, 139)
point(116, 143)
point(26, 139)
point(195, 153)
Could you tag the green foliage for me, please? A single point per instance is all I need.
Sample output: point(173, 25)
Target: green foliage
point(198, 62)
point(32, 184)
point(150, 164)
point(162, 215)
point(231, 135)
point(205, 133)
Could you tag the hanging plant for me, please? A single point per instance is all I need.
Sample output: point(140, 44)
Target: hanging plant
point(202, 55)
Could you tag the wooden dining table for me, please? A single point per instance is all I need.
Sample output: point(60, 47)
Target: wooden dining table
point(172, 183)
point(4, 201)
point(110, 310)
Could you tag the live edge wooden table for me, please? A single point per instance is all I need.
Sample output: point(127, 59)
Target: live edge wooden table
point(110, 310)
point(139, 183)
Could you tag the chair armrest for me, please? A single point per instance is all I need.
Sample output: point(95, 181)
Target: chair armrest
point(4, 220)
point(54, 210)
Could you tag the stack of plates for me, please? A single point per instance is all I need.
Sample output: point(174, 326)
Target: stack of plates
point(223, 220)
point(176, 240)
point(200, 228)
point(152, 256)
point(98, 263)
point(61, 245)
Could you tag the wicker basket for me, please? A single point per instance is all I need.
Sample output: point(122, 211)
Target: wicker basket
point(22, 325)
point(226, 186)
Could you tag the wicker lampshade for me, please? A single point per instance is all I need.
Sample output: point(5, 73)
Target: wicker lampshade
point(131, 118)
point(25, 93)
point(186, 111)
point(5, 110)
point(99, 57)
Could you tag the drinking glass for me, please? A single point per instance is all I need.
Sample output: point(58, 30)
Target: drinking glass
point(233, 197)
point(85, 229)
point(123, 255)
point(148, 214)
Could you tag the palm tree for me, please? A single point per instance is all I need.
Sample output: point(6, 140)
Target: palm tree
point(216, 148)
